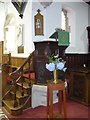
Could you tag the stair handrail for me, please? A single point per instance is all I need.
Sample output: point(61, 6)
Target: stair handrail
point(18, 69)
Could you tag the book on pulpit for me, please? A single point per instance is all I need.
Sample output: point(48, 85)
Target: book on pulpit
point(63, 38)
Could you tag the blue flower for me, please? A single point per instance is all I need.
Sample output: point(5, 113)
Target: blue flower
point(55, 63)
point(50, 66)
point(60, 65)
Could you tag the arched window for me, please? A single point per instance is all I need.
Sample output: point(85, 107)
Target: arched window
point(64, 21)
point(68, 23)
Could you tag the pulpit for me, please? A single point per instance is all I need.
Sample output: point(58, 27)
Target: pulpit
point(43, 50)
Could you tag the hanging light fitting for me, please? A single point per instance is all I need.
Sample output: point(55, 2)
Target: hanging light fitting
point(45, 3)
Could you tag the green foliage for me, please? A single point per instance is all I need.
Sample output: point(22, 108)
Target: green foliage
point(54, 59)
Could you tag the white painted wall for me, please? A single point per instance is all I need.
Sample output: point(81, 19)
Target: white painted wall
point(2, 16)
point(52, 20)
point(79, 22)
point(27, 35)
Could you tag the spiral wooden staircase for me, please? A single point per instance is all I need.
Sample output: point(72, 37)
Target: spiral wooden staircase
point(18, 96)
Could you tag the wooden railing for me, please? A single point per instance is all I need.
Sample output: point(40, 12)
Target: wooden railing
point(17, 76)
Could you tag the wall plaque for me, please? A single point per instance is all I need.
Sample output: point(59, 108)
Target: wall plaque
point(38, 23)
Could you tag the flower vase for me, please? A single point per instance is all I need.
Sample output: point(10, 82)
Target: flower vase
point(55, 74)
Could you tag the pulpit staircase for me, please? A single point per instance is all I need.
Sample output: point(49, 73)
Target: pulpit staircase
point(18, 96)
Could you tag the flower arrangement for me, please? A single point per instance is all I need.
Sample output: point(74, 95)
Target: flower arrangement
point(55, 63)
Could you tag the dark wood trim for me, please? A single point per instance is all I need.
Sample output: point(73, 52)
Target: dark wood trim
point(75, 61)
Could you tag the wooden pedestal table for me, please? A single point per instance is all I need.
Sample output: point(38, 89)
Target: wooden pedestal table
point(60, 86)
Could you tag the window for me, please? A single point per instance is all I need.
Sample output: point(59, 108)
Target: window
point(64, 21)
point(68, 23)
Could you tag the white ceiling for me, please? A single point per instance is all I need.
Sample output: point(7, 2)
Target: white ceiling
point(32, 0)
point(36, 6)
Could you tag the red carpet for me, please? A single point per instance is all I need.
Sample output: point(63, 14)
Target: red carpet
point(74, 110)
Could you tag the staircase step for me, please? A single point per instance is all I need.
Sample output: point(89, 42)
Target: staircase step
point(14, 91)
point(26, 88)
point(18, 94)
point(21, 99)
point(25, 85)
point(8, 104)
point(27, 80)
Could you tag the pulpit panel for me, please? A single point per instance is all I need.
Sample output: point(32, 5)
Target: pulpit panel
point(42, 51)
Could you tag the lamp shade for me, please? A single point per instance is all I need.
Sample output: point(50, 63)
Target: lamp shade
point(45, 3)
